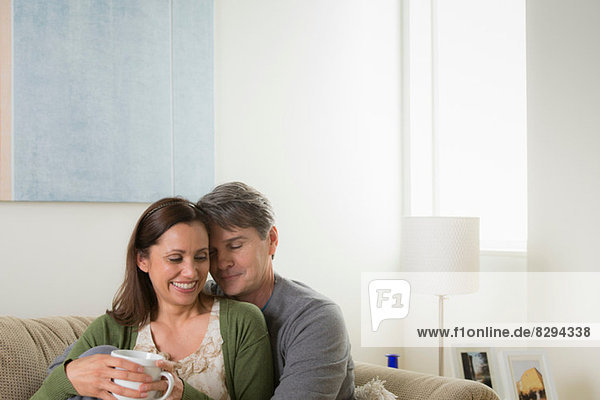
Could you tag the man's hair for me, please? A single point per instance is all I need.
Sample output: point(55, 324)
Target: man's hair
point(236, 204)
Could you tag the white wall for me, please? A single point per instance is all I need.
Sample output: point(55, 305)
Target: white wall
point(563, 60)
point(62, 258)
point(308, 111)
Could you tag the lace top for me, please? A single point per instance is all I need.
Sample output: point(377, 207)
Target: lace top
point(205, 368)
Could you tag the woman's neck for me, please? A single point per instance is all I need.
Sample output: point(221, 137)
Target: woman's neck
point(179, 315)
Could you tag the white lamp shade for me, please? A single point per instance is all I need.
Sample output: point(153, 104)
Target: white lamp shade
point(446, 247)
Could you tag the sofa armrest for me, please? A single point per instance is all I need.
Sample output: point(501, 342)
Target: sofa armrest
point(408, 385)
point(28, 346)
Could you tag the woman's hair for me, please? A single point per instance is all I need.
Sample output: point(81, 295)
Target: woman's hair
point(135, 303)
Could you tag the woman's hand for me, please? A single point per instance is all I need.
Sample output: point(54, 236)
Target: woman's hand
point(93, 376)
point(162, 385)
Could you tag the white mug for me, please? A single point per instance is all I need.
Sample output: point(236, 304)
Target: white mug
point(148, 361)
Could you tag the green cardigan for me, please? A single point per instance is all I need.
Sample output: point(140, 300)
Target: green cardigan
point(246, 352)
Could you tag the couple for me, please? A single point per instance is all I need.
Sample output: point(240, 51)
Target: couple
point(219, 348)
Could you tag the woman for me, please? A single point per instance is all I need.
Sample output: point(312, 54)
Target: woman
point(218, 348)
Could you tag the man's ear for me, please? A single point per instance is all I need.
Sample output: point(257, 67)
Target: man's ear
point(273, 238)
point(142, 261)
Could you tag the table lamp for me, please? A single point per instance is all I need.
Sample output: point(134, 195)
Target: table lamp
point(448, 247)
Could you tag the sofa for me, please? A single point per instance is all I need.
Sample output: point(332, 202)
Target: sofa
point(28, 346)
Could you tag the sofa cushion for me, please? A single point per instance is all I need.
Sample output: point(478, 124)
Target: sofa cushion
point(28, 346)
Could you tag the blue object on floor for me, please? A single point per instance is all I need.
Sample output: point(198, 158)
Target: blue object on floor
point(392, 360)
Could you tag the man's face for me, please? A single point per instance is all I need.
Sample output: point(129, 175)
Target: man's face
point(240, 261)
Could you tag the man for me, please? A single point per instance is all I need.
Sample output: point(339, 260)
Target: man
point(311, 349)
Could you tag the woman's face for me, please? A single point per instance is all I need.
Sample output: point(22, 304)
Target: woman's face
point(178, 264)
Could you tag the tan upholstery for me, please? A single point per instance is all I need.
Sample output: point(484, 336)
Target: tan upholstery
point(408, 385)
point(28, 346)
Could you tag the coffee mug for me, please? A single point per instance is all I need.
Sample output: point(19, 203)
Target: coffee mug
point(148, 361)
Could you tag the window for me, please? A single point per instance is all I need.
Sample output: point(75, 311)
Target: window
point(465, 115)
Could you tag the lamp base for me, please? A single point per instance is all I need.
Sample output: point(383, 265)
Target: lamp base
point(441, 326)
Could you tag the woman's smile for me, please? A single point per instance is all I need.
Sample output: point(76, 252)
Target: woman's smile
point(185, 287)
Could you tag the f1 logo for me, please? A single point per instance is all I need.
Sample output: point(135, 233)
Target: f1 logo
point(388, 299)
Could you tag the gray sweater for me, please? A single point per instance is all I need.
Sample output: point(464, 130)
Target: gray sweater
point(310, 344)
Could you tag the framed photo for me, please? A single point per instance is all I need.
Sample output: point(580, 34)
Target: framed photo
point(476, 364)
point(527, 376)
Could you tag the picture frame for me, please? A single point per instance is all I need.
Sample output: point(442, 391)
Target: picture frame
point(527, 376)
point(477, 364)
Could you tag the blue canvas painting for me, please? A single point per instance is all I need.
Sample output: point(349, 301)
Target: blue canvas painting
point(112, 100)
